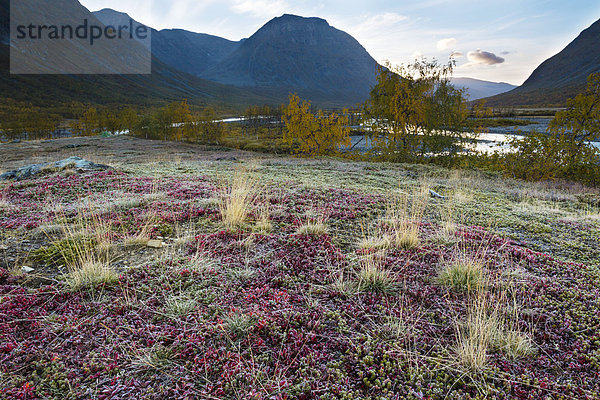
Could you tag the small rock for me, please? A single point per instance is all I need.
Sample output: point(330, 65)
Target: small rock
point(27, 269)
point(437, 195)
point(155, 244)
point(3, 247)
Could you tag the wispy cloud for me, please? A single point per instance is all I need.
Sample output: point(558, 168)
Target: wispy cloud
point(379, 22)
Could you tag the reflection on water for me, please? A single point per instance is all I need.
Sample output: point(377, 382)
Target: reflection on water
point(494, 139)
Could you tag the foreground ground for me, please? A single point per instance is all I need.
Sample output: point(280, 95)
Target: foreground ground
point(344, 280)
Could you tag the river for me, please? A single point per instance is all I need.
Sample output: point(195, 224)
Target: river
point(493, 139)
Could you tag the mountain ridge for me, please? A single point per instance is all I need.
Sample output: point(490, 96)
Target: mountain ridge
point(184, 50)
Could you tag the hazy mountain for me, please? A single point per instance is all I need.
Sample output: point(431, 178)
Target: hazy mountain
point(187, 51)
point(303, 55)
point(478, 89)
point(561, 76)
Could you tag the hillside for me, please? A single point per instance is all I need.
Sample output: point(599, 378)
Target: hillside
point(163, 85)
point(288, 54)
point(561, 76)
point(186, 51)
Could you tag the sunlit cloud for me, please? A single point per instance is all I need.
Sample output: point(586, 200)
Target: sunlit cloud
point(457, 54)
point(446, 44)
point(483, 57)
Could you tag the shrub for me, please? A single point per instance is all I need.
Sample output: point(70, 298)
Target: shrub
point(309, 134)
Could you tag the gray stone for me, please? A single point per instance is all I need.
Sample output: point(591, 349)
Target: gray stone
point(31, 170)
point(155, 244)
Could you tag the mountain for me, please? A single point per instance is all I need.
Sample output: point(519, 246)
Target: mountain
point(164, 84)
point(186, 51)
point(288, 54)
point(478, 89)
point(561, 76)
point(4, 22)
point(303, 55)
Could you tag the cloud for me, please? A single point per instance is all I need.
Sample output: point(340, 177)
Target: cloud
point(446, 44)
point(457, 54)
point(483, 57)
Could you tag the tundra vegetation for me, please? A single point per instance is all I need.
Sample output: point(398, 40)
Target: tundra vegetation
point(279, 277)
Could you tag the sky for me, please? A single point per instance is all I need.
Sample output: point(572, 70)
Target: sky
point(500, 41)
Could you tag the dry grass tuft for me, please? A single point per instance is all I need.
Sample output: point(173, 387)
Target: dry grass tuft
point(312, 228)
point(464, 274)
point(238, 324)
point(372, 277)
point(263, 224)
point(314, 225)
point(180, 305)
point(475, 336)
point(403, 216)
point(88, 273)
point(236, 201)
point(344, 286)
point(514, 344)
point(378, 243)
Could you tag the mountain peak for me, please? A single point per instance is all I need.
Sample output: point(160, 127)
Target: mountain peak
point(298, 18)
point(291, 22)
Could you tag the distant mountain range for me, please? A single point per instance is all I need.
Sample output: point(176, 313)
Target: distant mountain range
point(288, 54)
point(478, 89)
point(561, 76)
point(164, 84)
